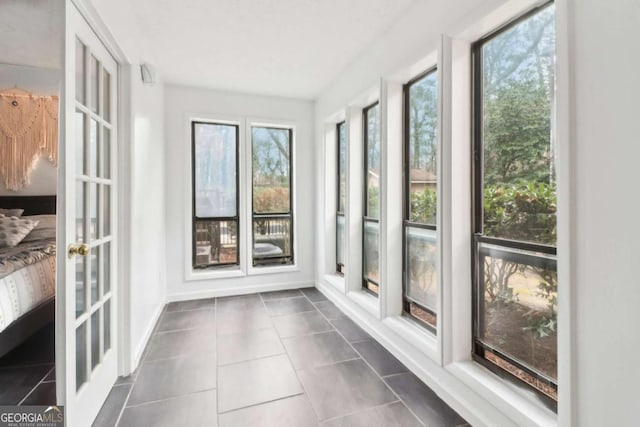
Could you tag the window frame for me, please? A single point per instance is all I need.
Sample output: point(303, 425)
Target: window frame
point(286, 261)
point(340, 267)
point(546, 254)
point(365, 209)
point(194, 217)
point(406, 206)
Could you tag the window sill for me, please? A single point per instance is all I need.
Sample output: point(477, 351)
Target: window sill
point(335, 280)
point(366, 301)
point(421, 338)
point(517, 403)
point(194, 275)
point(273, 269)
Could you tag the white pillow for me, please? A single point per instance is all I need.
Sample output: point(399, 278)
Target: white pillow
point(13, 230)
point(46, 228)
point(12, 212)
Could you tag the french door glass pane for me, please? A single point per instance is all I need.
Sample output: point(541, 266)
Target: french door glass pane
point(94, 257)
point(81, 355)
point(371, 251)
point(215, 170)
point(105, 155)
point(80, 71)
point(81, 285)
point(106, 211)
point(421, 266)
point(80, 142)
point(518, 149)
point(93, 210)
point(422, 149)
point(93, 148)
point(95, 339)
point(81, 190)
point(106, 97)
point(271, 170)
point(94, 83)
point(106, 267)
point(107, 325)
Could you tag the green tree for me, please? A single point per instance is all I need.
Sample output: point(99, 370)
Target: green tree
point(424, 123)
point(517, 129)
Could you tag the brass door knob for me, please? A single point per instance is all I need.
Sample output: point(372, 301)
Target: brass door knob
point(81, 250)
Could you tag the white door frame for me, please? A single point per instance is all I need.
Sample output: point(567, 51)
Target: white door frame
point(125, 150)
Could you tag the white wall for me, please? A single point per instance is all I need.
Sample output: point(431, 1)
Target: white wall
point(40, 81)
point(148, 269)
point(605, 206)
point(144, 188)
point(180, 103)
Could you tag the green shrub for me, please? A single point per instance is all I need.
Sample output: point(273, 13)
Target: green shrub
point(424, 206)
point(525, 211)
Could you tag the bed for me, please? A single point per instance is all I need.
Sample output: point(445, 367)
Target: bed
point(27, 277)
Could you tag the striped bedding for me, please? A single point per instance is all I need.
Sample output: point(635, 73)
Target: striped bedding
point(27, 278)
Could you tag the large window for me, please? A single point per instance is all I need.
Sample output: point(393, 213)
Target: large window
point(341, 137)
point(215, 194)
point(514, 245)
point(420, 195)
point(272, 195)
point(371, 220)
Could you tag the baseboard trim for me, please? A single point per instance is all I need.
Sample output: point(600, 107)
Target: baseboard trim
point(237, 290)
point(137, 356)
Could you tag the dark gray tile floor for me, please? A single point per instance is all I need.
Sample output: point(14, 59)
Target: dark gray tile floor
point(27, 375)
point(286, 359)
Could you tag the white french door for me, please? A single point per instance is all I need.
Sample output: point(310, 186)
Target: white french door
point(87, 242)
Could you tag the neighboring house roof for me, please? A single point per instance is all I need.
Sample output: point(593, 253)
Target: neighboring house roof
point(422, 175)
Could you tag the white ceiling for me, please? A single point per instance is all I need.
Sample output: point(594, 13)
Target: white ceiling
point(292, 48)
point(31, 32)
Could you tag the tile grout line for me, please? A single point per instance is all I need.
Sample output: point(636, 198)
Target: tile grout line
point(36, 386)
point(142, 361)
point(230, 411)
point(124, 404)
point(262, 305)
point(311, 334)
point(166, 399)
point(137, 370)
point(251, 360)
point(360, 411)
point(371, 367)
point(304, 390)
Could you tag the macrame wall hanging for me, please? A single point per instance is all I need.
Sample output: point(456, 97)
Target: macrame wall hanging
point(28, 129)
